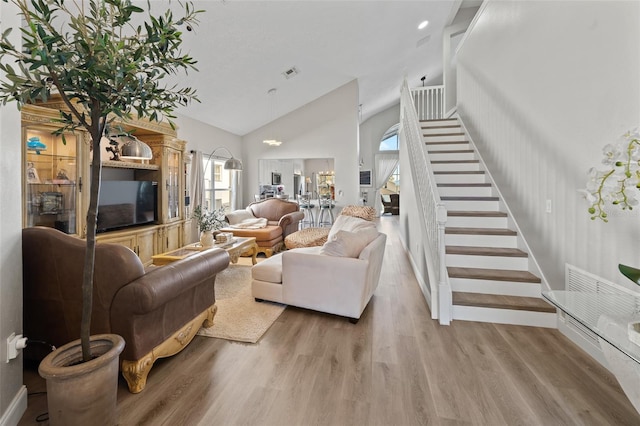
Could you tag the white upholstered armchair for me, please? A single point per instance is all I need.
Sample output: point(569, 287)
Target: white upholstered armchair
point(323, 278)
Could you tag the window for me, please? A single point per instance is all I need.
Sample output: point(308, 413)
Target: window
point(393, 184)
point(217, 185)
point(390, 139)
point(389, 144)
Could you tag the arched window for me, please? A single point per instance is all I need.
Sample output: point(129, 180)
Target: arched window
point(388, 143)
point(389, 140)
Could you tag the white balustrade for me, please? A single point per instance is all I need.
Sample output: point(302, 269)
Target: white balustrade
point(431, 208)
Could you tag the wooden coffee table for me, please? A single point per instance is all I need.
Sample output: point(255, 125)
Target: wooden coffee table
point(236, 247)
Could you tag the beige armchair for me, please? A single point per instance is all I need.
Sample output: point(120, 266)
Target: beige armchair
point(337, 278)
point(282, 218)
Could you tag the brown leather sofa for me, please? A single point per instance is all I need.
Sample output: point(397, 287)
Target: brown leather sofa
point(156, 312)
point(283, 218)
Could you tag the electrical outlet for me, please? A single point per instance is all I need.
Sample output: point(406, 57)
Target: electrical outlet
point(548, 206)
point(15, 344)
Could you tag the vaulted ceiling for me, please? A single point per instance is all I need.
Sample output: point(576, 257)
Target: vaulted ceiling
point(244, 47)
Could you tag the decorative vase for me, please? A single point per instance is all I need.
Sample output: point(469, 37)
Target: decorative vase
point(206, 238)
point(83, 393)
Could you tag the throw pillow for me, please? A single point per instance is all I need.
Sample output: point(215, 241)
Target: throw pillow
point(238, 216)
point(349, 224)
point(348, 244)
point(363, 212)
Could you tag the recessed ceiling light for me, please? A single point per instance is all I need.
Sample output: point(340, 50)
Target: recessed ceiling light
point(423, 25)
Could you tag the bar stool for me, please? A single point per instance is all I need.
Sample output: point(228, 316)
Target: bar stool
point(307, 208)
point(326, 206)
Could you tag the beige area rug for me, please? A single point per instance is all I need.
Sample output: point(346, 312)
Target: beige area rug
point(239, 316)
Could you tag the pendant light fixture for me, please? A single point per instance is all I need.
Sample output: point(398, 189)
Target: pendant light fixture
point(273, 140)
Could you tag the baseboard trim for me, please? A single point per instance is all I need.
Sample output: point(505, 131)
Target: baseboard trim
point(424, 288)
point(16, 409)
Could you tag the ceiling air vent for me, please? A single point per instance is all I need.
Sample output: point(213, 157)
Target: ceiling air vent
point(423, 40)
point(290, 73)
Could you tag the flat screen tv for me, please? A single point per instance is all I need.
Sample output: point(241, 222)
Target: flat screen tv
point(126, 203)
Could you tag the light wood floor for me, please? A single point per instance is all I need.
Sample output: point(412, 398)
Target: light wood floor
point(395, 367)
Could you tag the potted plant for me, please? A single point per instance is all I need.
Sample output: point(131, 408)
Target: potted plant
point(208, 222)
point(105, 64)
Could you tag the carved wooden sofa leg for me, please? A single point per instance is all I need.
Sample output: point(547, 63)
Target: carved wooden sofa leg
point(136, 372)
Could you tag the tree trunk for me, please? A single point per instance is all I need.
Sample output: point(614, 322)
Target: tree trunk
point(96, 131)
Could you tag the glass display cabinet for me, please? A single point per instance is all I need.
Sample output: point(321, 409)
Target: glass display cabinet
point(52, 178)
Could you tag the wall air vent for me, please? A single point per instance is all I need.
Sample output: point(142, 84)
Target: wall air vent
point(290, 73)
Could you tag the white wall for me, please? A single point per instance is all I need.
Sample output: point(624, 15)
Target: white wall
point(324, 128)
point(542, 87)
point(13, 396)
point(451, 37)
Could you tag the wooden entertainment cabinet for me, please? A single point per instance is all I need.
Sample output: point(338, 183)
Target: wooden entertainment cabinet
point(56, 178)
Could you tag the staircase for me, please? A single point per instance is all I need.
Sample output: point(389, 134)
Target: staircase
point(489, 275)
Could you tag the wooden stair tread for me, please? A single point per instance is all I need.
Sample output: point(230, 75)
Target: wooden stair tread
point(486, 251)
point(479, 213)
point(480, 231)
point(454, 161)
point(492, 274)
point(433, 135)
point(452, 151)
point(459, 172)
point(446, 143)
point(464, 185)
point(502, 302)
point(468, 198)
point(436, 120)
point(451, 126)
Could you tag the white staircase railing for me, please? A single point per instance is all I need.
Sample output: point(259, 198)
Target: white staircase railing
point(431, 208)
point(429, 102)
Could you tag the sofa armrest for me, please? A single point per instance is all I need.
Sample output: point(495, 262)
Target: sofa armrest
point(162, 284)
point(290, 218)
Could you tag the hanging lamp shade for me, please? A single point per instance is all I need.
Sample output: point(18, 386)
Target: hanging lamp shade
point(135, 149)
point(233, 164)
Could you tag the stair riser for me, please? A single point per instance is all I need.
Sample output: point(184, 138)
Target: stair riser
point(472, 205)
point(450, 156)
point(481, 240)
point(465, 191)
point(504, 316)
point(443, 138)
point(477, 222)
point(456, 167)
point(447, 146)
point(507, 288)
point(463, 178)
point(488, 262)
point(446, 130)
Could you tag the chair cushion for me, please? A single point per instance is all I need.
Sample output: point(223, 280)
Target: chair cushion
point(269, 270)
point(268, 233)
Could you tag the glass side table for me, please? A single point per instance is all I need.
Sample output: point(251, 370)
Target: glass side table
point(589, 308)
point(615, 319)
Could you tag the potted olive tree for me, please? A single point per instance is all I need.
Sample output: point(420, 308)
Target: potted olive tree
point(106, 60)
